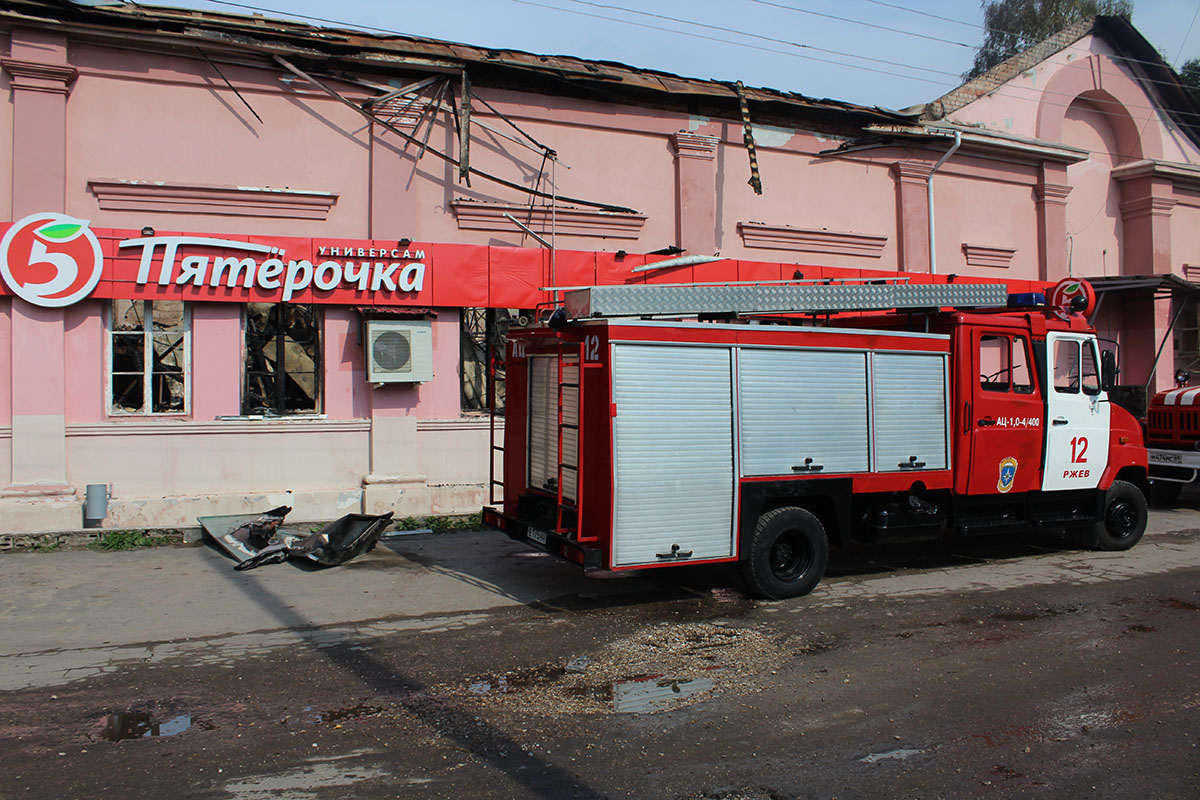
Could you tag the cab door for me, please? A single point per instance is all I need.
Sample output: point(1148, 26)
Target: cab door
point(1077, 415)
point(1004, 419)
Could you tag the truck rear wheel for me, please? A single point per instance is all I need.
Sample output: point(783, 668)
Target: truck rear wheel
point(786, 555)
point(1123, 523)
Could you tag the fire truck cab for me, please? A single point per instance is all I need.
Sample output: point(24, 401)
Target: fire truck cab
point(635, 443)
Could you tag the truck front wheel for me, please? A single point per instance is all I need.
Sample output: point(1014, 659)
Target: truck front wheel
point(1123, 523)
point(786, 555)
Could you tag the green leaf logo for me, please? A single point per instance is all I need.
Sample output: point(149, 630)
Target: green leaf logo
point(59, 231)
point(1071, 288)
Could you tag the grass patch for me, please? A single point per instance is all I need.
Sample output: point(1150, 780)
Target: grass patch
point(48, 546)
point(463, 522)
point(128, 540)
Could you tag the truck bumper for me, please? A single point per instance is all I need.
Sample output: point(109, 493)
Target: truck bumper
point(1174, 466)
point(590, 558)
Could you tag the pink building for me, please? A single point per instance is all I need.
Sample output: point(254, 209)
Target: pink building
point(212, 219)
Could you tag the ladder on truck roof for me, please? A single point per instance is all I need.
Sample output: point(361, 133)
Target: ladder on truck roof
point(683, 300)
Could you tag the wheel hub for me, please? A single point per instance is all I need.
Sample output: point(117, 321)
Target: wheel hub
point(1121, 518)
point(789, 557)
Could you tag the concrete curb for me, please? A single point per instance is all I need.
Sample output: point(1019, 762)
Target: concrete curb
point(43, 541)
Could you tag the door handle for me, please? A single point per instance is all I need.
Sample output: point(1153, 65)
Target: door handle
point(1059, 421)
point(986, 422)
point(807, 466)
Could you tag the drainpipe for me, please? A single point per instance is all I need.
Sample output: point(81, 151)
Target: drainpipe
point(929, 188)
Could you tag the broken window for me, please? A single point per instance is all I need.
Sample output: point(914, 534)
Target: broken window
point(149, 351)
point(479, 327)
point(283, 359)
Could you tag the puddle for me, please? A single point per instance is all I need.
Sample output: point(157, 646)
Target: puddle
point(898, 755)
point(141, 725)
point(643, 695)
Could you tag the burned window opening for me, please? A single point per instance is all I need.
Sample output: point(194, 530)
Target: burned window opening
point(148, 357)
point(283, 360)
point(478, 327)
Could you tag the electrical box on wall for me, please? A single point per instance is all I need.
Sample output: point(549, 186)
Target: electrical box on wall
point(399, 351)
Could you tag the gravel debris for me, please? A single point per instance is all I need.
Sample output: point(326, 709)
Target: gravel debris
point(670, 665)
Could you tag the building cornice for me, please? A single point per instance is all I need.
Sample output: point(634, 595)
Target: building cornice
point(1181, 175)
point(33, 76)
point(563, 221)
point(811, 240)
point(183, 198)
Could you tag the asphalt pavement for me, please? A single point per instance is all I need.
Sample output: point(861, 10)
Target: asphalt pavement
point(464, 664)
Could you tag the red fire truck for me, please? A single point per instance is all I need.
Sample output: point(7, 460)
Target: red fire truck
point(775, 423)
point(1173, 439)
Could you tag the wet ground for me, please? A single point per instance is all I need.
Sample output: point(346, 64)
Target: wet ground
point(987, 668)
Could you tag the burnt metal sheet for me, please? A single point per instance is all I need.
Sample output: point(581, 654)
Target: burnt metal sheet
point(258, 539)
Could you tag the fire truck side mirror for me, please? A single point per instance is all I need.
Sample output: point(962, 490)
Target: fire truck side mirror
point(1108, 370)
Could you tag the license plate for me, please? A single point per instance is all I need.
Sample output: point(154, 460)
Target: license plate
point(534, 535)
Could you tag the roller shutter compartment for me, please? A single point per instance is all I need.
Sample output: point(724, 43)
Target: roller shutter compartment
point(910, 411)
point(798, 405)
point(543, 424)
point(673, 454)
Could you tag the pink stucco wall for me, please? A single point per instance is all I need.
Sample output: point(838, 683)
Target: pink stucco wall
point(172, 119)
point(135, 116)
point(5, 361)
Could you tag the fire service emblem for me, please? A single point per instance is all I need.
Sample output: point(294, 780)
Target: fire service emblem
point(1008, 474)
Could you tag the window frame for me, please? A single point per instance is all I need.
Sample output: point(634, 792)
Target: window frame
point(1014, 342)
point(318, 325)
point(147, 372)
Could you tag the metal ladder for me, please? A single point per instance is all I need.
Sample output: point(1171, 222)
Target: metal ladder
point(564, 426)
point(493, 483)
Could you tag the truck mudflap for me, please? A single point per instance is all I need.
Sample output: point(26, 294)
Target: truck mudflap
point(590, 558)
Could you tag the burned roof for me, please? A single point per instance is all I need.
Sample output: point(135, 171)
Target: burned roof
point(330, 49)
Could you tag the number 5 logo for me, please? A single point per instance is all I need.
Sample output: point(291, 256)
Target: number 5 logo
point(51, 260)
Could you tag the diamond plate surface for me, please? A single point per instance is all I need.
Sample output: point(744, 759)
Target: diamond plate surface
point(650, 300)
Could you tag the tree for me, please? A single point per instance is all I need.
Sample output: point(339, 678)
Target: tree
point(1014, 25)
point(1189, 73)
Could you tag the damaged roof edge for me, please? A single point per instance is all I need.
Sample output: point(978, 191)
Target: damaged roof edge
point(978, 138)
point(622, 83)
point(1154, 74)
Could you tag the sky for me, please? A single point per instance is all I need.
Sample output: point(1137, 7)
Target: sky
point(889, 53)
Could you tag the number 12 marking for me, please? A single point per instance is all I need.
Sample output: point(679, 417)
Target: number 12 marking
point(1079, 450)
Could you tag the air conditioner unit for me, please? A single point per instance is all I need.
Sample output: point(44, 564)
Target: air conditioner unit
point(399, 351)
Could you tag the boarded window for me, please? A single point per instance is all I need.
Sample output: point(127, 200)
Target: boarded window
point(149, 351)
point(283, 359)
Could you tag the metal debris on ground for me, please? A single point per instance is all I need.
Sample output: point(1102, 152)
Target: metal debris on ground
point(665, 667)
point(258, 540)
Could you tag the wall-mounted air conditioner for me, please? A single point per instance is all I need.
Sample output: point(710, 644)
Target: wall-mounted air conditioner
point(399, 351)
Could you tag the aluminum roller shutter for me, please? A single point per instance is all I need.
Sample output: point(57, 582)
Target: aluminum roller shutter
point(799, 404)
point(910, 409)
point(673, 452)
point(543, 423)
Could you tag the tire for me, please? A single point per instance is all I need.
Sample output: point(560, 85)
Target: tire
point(1123, 524)
point(786, 555)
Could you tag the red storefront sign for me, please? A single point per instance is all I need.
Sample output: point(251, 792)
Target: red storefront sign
point(54, 260)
